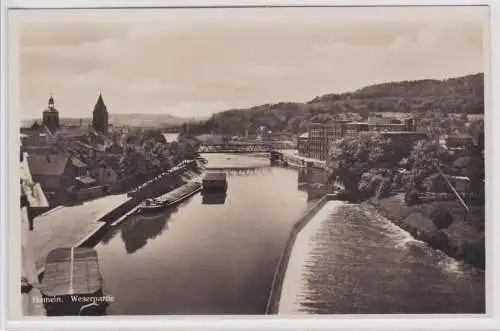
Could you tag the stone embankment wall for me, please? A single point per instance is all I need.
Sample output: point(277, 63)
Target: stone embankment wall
point(164, 182)
point(463, 239)
point(162, 185)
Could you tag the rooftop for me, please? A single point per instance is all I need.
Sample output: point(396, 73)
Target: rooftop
point(58, 280)
point(215, 176)
point(85, 179)
point(47, 164)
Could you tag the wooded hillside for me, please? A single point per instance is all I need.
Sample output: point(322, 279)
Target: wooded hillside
point(455, 95)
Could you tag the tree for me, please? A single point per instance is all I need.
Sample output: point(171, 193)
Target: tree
point(132, 163)
point(183, 149)
point(364, 112)
point(352, 157)
point(423, 157)
point(156, 155)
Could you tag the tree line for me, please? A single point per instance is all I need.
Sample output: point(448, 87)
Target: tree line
point(463, 95)
point(147, 151)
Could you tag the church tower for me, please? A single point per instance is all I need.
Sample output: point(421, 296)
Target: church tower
point(100, 116)
point(51, 116)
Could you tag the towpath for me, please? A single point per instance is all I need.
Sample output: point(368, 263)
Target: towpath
point(65, 226)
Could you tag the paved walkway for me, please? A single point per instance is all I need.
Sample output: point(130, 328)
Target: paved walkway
point(65, 226)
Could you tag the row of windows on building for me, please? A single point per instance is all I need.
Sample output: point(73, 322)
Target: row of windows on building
point(320, 137)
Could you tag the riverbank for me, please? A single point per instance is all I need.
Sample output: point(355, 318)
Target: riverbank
point(463, 239)
point(77, 225)
point(82, 226)
point(349, 259)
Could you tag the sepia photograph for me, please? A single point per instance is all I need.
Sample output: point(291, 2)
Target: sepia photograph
point(286, 161)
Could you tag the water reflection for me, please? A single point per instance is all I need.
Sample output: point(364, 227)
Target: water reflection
point(138, 229)
point(302, 175)
point(302, 187)
point(213, 198)
point(214, 259)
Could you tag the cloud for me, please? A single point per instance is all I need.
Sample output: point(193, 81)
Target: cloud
point(184, 66)
point(108, 48)
point(93, 79)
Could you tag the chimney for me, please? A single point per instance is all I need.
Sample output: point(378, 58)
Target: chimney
point(48, 158)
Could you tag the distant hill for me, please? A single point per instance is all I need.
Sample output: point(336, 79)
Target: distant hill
point(150, 120)
point(154, 120)
point(455, 95)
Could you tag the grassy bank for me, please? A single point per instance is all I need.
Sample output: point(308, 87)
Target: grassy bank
point(463, 239)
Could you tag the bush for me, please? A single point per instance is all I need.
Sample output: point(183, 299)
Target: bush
point(441, 218)
point(384, 189)
point(474, 253)
point(412, 197)
point(369, 184)
point(439, 240)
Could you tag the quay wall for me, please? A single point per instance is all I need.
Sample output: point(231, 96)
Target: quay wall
point(119, 211)
point(279, 275)
point(164, 182)
point(123, 209)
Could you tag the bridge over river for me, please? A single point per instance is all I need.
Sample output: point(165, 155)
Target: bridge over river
point(218, 255)
point(244, 147)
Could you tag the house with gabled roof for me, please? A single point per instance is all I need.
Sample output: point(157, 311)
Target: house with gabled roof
point(55, 172)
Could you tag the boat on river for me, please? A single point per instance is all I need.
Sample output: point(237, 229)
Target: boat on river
point(152, 206)
point(171, 198)
point(72, 283)
point(214, 182)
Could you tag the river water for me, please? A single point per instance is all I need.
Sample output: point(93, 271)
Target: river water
point(349, 259)
point(218, 255)
point(210, 255)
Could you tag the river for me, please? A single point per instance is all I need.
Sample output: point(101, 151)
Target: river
point(351, 260)
point(204, 257)
point(218, 255)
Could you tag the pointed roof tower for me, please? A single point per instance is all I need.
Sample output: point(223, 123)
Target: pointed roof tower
point(100, 106)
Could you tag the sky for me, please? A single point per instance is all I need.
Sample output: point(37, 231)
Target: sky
point(194, 62)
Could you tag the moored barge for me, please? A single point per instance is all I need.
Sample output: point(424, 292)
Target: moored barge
point(214, 182)
point(161, 203)
point(72, 283)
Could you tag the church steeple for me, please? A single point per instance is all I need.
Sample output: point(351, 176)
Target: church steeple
point(51, 116)
point(100, 116)
point(51, 102)
point(100, 106)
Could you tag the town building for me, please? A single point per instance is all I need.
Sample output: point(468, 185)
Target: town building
point(100, 121)
point(406, 136)
point(322, 136)
point(303, 144)
point(50, 117)
point(379, 123)
point(55, 172)
point(104, 174)
point(458, 143)
point(353, 129)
